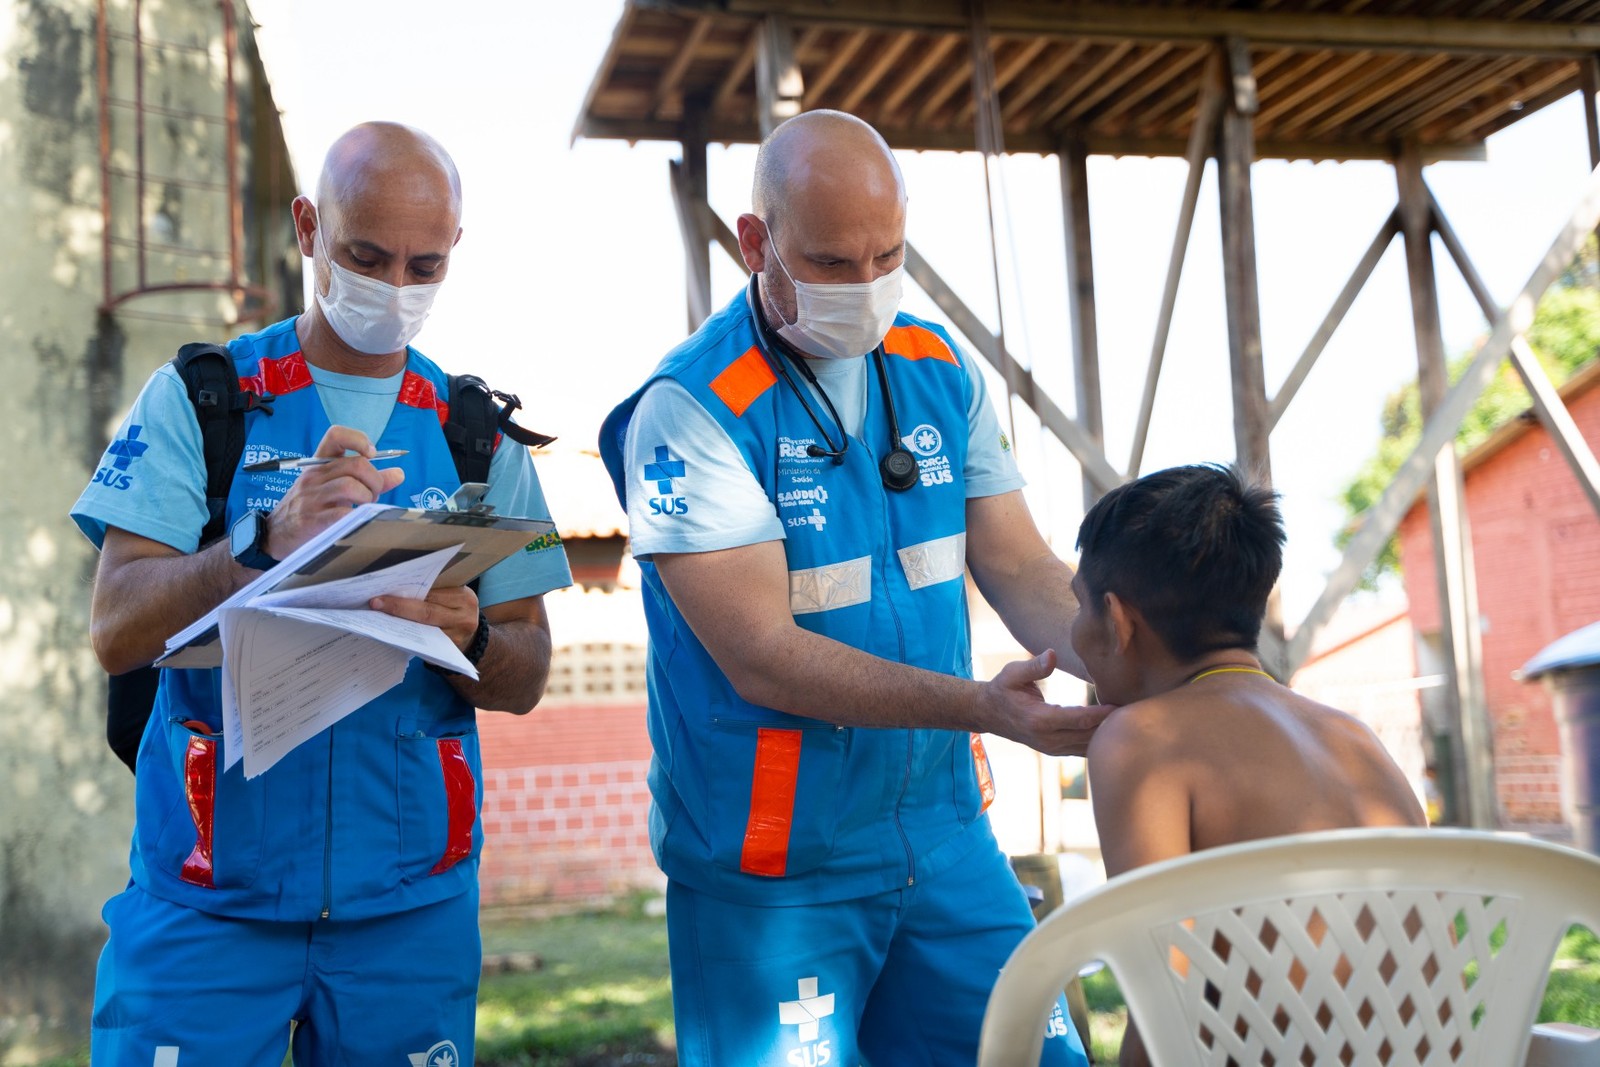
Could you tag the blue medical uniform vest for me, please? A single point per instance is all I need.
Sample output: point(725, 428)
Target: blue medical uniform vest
point(755, 805)
point(375, 815)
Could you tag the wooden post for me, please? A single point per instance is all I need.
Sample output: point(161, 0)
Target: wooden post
point(1330, 321)
point(1236, 151)
point(689, 194)
point(1460, 635)
point(1202, 139)
point(1589, 71)
point(1589, 77)
point(987, 345)
point(1080, 296)
point(779, 88)
point(1380, 521)
point(1251, 413)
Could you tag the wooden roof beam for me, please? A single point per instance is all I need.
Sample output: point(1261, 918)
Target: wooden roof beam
point(1526, 96)
point(1040, 79)
point(737, 73)
point(1114, 55)
point(865, 83)
point(1176, 114)
point(1006, 73)
point(1174, 68)
point(931, 59)
point(1278, 104)
point(672, 76)
point(1110, 84)
point(608, 63)
point(1321, 29)
point(1375, 73)
point(1379, 90)
point(1406, 114)
point(960, 74)
point(830, 73)
point(957, 139)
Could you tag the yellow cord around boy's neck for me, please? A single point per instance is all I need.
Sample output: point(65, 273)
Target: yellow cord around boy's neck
point(1228, 670)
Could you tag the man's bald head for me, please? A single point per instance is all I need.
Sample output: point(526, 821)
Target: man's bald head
point(818, 152)
point(388, 160)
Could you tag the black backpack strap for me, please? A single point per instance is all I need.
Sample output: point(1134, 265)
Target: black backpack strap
point(474, 421)
point(219, 405)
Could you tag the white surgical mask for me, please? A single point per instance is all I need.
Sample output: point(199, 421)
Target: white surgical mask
point(369, 315)
point(843, 320)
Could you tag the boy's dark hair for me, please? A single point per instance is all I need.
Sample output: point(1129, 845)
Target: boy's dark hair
point(1195, 549)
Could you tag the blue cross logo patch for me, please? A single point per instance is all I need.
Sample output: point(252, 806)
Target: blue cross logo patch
point(127, 449)
point(663, 470)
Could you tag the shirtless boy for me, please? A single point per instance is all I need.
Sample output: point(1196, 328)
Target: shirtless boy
point(1207, 749)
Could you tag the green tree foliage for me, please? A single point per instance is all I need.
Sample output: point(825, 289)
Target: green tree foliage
point(1565, 335)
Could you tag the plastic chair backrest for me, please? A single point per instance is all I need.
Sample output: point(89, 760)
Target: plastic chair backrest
point(1394, 946)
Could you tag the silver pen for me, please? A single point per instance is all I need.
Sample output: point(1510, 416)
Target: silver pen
point(296, 462)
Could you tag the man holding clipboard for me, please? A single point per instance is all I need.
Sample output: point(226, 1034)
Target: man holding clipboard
point(338, 889)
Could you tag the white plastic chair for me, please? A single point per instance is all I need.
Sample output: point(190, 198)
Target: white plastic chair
point(1346, 947)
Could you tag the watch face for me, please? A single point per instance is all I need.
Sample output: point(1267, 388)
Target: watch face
point(242, 537)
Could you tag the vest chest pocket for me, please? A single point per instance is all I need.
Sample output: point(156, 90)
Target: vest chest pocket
point(437, 794)
point(210, 836)
point(774, 795)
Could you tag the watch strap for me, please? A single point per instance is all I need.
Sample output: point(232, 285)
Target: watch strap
point(475, 650)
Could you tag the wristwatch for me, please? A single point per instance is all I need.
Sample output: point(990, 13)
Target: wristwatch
point(248, 539)
point(474, 651)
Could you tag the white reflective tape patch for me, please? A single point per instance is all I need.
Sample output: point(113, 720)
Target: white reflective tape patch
point(936, 561)
point(166, 1056)
point(838, 585)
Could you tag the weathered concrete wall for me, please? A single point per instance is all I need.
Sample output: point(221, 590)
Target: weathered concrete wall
point(69, 374)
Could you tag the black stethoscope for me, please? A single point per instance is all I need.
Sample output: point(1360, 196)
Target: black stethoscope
point(898, 468)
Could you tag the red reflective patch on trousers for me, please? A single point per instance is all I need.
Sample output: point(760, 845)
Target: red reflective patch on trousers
point(980, 761)
point(200, 789)
point(766, 835)
point(460, 796)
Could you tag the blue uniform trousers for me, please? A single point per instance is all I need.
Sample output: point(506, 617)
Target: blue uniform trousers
point(900, 978)
point(178, 987)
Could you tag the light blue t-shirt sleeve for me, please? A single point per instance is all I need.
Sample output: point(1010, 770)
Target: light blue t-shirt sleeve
point(991, 465)
point(151, 480)
point(542, 565)
point(689, 489)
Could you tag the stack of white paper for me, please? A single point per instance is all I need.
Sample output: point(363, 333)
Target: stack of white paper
point(294, 662)
point(299, 648)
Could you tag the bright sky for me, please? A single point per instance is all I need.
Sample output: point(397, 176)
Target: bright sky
point(567, 286)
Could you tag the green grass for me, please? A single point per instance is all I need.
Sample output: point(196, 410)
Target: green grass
point(601, 996)
point(1573, 995)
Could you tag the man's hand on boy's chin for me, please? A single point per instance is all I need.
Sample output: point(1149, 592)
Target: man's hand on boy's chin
point(1016, 709)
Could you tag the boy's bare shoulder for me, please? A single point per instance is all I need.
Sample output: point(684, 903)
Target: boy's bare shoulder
point(1143, 729)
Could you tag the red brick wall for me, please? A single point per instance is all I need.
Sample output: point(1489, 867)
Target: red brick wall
point(1536, 546)
point(565, 804)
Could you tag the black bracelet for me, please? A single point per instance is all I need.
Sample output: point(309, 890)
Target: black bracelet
point(474, 651)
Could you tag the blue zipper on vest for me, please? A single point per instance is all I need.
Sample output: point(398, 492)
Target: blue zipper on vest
point(900, 645)
point(327, 838)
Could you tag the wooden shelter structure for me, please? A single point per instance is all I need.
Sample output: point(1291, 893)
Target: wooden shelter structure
point(1408, 81)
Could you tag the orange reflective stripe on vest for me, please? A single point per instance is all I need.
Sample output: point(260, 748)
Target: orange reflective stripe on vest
point(980, 761)
point(745, 379)
point(766, 835)
point(914, 342)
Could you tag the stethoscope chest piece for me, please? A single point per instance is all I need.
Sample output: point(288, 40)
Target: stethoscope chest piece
point(898, 469)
